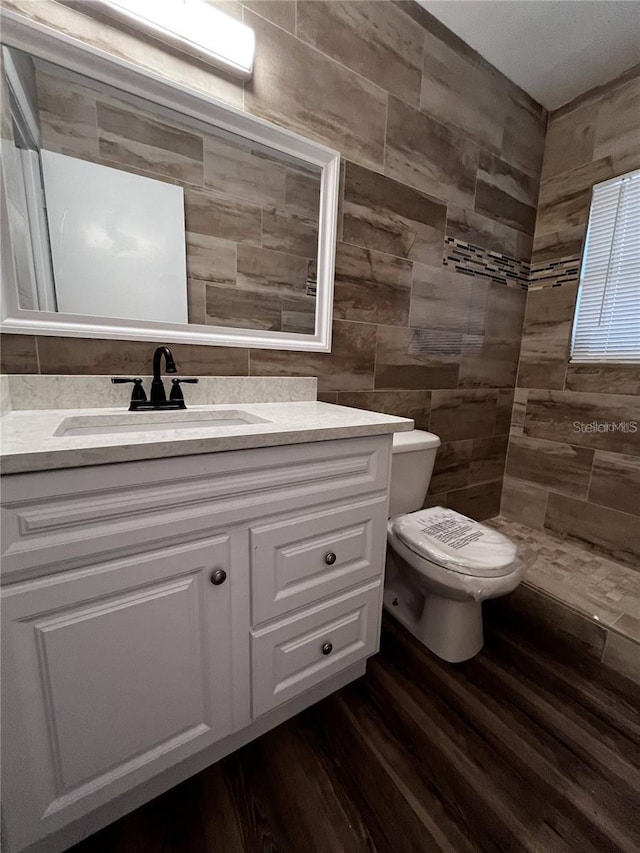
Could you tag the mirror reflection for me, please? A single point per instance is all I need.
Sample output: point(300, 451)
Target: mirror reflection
point(124, 209)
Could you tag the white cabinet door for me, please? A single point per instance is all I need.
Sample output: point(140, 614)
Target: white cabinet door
point(111, 674)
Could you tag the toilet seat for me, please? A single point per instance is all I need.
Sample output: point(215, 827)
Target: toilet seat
point(455, 542)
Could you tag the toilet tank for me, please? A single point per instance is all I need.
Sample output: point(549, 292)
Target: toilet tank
point(412, 461)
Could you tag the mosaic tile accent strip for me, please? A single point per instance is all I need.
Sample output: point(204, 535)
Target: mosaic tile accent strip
point(491, 266)
point(554, 273)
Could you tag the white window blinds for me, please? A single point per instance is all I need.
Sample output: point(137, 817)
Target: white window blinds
point(606, 326)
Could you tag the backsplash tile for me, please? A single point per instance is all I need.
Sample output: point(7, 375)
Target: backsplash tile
point(84, 355)
point(19, 354)
point(349, 366)
point(5, 397)
point(26, 392)
point(404, 404)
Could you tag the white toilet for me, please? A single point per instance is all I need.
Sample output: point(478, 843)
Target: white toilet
point(441, 565)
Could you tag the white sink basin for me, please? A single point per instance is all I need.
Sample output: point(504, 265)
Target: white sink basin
point(155, 422)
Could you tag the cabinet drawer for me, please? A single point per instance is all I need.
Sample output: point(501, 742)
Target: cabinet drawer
point(299, 559)
point(69, 518)
point(297, 654)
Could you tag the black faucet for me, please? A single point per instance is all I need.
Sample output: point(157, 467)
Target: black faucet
point(158, 397)
point(158, 394)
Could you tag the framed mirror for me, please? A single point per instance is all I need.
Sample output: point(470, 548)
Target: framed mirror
point(137, 209)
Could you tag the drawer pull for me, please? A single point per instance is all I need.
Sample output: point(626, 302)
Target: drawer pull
point(330, 558)
point(327, 648)
point(218, 577)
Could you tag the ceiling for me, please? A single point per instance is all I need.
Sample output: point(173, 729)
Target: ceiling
point(554, 49)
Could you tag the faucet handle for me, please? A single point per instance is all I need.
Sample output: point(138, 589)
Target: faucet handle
point(138, 391)
point(176, 390)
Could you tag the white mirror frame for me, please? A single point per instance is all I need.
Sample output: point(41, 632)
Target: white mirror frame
point(48, 44)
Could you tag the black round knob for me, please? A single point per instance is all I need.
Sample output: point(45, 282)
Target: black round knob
point(327, 648)
point(218, 577)
point(330, 558)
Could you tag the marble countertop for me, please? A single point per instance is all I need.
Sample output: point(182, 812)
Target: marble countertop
point(29, 443)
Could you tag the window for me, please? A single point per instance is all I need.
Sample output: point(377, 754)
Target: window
point(606, 326)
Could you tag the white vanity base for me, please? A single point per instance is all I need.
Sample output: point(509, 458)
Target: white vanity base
point(101, 817)
point(158, 614)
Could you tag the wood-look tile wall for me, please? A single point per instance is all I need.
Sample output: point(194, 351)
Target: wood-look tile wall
point(435, 142)
point(569, 469)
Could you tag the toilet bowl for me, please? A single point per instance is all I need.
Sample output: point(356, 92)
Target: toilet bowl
point(441, 565)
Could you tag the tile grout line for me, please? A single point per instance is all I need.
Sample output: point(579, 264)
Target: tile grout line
point(385, 135)
point(375, 359)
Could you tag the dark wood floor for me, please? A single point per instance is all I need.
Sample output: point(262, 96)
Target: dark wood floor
point(518, 749)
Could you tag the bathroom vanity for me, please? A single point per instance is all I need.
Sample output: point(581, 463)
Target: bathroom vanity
point(170, 594)
point(174, 584)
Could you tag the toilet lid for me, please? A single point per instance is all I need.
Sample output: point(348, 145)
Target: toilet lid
point(457, 543)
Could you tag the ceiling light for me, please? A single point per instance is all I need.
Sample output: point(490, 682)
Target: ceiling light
point(191, 26)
